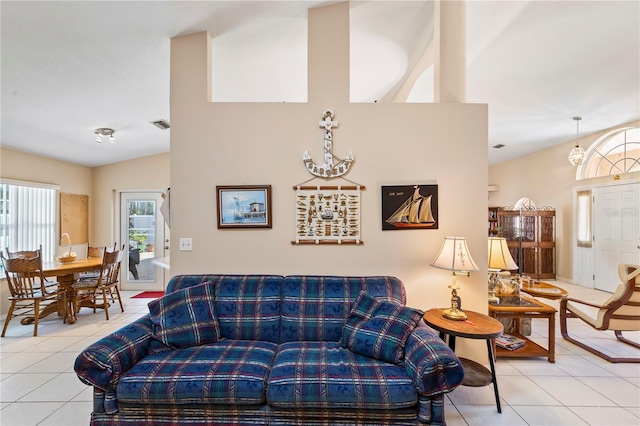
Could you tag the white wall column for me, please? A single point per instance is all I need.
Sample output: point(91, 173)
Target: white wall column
point(451, 39)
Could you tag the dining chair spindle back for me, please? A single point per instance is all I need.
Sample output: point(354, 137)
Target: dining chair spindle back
point(105, 285)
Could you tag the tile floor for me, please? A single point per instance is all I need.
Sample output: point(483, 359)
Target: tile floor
point(38, 385)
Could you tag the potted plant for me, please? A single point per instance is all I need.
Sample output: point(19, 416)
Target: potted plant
point(139, 237)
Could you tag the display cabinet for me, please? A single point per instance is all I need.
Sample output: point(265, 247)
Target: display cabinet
point(531, 236)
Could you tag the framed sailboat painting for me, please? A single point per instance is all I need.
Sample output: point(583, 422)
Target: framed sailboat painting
point(409, 207)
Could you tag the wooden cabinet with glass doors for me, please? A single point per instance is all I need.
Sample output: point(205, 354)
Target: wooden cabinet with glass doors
point(531, 237)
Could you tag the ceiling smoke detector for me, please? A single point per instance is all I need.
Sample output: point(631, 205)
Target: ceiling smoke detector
point(104, 131)
point(161, 124)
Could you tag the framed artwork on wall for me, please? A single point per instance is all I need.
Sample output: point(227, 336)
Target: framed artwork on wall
point(409, 207)
point(244, 206)
point(328, 214)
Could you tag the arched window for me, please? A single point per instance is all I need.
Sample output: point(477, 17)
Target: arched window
point(615, 153)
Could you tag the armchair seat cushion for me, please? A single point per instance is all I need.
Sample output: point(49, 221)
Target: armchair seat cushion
point(227, 372)
point(588, 314)
point(326, 375)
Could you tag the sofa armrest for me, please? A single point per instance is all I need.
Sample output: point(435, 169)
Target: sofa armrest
point(433, 366)
point(102, 363)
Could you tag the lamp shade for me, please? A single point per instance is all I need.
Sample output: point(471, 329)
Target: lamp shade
point(499, 255)
point(454, 256)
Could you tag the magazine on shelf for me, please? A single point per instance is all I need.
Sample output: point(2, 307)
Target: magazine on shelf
point(510, 342)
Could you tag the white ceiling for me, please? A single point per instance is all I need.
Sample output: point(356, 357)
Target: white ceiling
point(70, 67)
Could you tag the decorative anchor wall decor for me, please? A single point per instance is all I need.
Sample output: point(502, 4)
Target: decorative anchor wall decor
point(328, 170)
point(328, 214)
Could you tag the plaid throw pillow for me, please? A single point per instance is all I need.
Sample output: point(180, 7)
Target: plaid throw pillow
point(184, 318)
point(379, 329)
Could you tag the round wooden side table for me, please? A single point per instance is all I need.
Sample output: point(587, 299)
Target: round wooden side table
point(476, 326)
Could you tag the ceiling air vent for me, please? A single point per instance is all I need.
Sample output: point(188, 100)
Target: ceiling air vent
point(499, 146)
point(161, 124)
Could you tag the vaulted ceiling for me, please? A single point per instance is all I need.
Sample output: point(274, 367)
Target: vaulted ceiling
point(71, 67)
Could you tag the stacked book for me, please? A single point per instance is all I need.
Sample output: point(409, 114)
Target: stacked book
point(510, 342)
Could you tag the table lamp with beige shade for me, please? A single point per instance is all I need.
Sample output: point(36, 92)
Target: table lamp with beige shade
point(500, 259)
point(454, 256)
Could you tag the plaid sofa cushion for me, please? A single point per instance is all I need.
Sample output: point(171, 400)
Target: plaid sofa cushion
point(379, 329)
point(184, 318)
point(227, 372)
point(316, 307)
point(249, 306)
point(325, 375)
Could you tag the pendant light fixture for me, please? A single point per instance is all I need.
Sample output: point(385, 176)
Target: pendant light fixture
point(576, 156)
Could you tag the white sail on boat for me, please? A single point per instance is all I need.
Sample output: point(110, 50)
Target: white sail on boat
point(414, 212)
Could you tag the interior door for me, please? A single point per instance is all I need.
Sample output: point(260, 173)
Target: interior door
point(142, 230)
point(616, 232)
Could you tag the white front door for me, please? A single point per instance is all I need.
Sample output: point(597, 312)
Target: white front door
point(142, 230)
point(616, 232)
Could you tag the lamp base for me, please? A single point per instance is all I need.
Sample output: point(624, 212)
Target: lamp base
point(494, 276)
point(454, 314)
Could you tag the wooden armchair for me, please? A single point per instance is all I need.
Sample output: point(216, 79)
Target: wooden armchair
point(30, 293)
point(621, 312)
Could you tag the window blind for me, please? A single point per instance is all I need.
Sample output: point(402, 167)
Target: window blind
point(28, 217)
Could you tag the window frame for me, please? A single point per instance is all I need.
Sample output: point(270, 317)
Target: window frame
point(591, 167)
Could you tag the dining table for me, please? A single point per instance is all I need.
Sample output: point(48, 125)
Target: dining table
point(66, 274)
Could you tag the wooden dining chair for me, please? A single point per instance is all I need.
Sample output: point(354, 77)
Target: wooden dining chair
point(621, 312)
point(30, 293)
point(105, 286)
point(92, 252)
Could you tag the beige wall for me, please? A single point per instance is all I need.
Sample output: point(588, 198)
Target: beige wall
point(548, 179)
point(72, 178)
point(257, 143)
point(144, 174)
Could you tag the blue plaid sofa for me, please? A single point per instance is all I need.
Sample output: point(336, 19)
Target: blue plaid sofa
point(272, 353)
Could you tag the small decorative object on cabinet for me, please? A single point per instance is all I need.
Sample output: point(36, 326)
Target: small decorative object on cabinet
point(493, 221)
point(531, 237)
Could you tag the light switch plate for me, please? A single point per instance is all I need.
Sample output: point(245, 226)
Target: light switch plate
point(186, 244)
